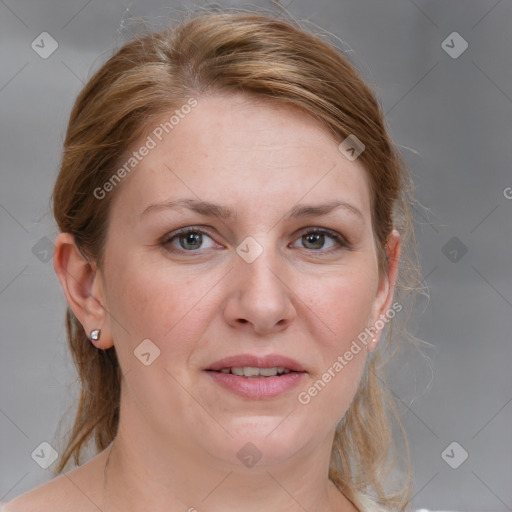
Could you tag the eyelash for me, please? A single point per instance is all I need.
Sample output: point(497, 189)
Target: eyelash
point(339, 239)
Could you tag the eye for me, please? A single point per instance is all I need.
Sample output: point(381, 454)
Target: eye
point(189, 239)
point(314, 239)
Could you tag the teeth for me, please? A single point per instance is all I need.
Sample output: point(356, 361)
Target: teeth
point(268, 372)
point(238, 371)
point(250, 371)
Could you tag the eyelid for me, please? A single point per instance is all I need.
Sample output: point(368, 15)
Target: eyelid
point(340, 240)
point(185, 230)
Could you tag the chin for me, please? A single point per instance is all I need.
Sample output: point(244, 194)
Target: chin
point(262, 441)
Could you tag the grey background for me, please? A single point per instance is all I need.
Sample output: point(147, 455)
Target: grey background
point(452, 118)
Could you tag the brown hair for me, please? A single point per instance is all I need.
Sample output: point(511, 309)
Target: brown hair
point(255, 53)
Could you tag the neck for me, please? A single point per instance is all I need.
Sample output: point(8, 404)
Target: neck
point(132, 486)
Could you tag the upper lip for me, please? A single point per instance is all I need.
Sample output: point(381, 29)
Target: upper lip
point(255, 361)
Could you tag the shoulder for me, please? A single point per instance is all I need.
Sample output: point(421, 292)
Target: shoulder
point(39, 499)
point(51, 496)
point(78, 490)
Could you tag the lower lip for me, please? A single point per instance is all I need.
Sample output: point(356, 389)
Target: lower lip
point(257, 387)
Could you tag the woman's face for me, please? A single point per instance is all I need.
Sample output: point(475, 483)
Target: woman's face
point(248, 286)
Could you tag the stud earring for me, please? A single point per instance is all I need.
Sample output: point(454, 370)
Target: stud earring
point(95, 335)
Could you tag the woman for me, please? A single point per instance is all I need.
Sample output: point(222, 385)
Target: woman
point(232, 216)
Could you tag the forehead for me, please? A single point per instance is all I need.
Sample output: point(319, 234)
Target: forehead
point(243, 152)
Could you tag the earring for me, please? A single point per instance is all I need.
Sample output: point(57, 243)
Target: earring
point(95, 335)
point(374, 340)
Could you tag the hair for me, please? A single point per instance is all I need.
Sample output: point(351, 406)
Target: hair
point(223, 51)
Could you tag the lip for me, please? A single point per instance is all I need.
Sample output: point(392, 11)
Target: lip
point(268, 361)
point(257, 388)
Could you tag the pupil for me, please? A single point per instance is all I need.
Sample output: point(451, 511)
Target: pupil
point(192, 238)
point(316, 237)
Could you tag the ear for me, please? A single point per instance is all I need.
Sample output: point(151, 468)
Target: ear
point(386, 288)
point(83, 286)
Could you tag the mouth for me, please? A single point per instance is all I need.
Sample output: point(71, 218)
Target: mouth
point(257, 377)
point(248, 365)
point(252, 372)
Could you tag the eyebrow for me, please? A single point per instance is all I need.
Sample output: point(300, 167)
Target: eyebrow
point(221, 212)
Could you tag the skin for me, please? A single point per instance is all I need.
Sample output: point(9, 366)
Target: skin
point(179, 432)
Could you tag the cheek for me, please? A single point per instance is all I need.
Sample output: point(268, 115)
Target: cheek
point(344, 305)
point(153, 301)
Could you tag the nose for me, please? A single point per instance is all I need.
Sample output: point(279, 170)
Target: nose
point(259, 297)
